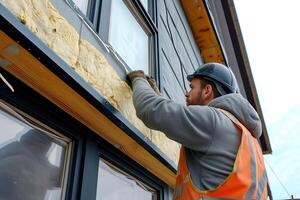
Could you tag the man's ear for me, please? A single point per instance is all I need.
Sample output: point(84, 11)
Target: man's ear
point(208, 92)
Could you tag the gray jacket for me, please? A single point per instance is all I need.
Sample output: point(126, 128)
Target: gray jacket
point(210, 139)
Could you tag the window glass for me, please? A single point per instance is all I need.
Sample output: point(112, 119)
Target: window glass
point(31, 162)
point(127, 37)
point(82, 5)
point(114, 184)
point(145, 4)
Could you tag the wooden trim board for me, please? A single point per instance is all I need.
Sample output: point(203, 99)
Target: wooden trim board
point(33, 73)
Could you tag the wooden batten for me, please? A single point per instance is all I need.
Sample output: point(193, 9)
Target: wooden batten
point(33, 73)
point(203, 31)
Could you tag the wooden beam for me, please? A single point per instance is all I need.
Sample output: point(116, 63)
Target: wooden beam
point(33, 73)
point(203, 31)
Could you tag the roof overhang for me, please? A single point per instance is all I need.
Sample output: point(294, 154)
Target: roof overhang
point(212, 50)
point(203, 31)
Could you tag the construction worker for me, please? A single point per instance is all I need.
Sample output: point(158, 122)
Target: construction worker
point(218, 129)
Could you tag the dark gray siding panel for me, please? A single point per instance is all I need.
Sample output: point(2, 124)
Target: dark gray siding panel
point(178, 52)
point(184, 33)
point(170, 81)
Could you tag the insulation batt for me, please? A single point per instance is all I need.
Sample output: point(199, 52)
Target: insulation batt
point(44, 20)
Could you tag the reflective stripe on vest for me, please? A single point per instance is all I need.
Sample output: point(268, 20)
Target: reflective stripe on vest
point(251, 190)
point(248, 179)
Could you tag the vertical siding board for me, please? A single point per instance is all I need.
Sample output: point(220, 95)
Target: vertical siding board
point(170, 74)
point(167, 50)
point(183, 31)
point(174, 35)
point(196, 57)
point(183, 40)
point(171, 84)
point(180, 58)
point(180, 47)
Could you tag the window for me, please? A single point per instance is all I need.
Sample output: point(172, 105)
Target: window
point(67, 154)
point(128, 37)
point(33, 161)
point(115, 184)
point(145, 4)
point(82, 5)
point(89, 10)
point(126, 27)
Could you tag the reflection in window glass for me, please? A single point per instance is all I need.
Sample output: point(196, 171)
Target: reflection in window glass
point(82, 5)
point(31, 162)
point(128, 37)
point(114, 184)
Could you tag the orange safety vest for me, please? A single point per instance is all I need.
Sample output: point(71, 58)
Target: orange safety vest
point(248, 179)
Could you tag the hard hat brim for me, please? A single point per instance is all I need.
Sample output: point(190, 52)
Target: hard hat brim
point(190, 77)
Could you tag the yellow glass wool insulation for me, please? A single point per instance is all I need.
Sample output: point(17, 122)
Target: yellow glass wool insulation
point(55, 31)
point(44, 20)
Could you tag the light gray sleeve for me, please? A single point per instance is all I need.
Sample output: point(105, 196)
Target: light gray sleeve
point(192, 126)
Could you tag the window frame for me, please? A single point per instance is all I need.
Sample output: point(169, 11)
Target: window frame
point(147, 19)
point(121, 174)
point(46, 130)
point(40, 109)
point(92, 16)
point(139, 19)
point(113, 155)
point(88, 147)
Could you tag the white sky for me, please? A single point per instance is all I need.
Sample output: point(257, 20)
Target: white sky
point(271, 32)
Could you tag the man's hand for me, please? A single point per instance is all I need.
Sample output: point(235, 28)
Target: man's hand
point(134, 74)
point(140, 73)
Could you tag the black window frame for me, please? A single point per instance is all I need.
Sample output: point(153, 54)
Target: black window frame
point(92, 16)
point(42, 110)
point(87, 147)
point(124, 163)
point(98, 18)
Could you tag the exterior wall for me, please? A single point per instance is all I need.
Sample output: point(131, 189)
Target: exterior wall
point(178, 52)
point(71, 39)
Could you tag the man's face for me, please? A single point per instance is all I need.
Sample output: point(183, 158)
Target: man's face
point(195, 95)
